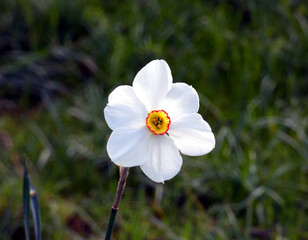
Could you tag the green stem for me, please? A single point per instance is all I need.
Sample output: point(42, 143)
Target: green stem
point(120, 189)
point(110, 224)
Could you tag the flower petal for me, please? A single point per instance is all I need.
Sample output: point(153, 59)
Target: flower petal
point(127, 147)
point(124, 108)
point(164, 159)
point(180, 100)
point(192, 135)
point(152, 83)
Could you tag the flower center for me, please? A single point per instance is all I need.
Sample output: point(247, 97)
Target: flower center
point(158, 122)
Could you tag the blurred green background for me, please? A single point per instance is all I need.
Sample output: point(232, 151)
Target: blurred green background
point(248, 60)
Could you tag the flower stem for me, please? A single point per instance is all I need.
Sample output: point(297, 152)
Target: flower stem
point(110, 224)
point(120, 189)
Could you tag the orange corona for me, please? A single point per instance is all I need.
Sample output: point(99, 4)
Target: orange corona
point(158, 122)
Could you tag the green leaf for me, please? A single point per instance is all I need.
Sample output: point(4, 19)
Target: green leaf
point(35, 211)
point(26, 196)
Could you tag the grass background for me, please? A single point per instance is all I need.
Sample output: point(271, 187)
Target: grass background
point(248, 60)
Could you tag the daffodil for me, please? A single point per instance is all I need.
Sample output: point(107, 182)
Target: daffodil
point(155, 120)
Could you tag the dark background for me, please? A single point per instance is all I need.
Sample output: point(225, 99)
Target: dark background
point(248, 60)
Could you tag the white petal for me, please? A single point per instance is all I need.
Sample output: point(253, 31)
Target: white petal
point(124, 109)
point(180, 100)
point(164, 159)
point(192, 135)
point(127, 147)
point(152, 83)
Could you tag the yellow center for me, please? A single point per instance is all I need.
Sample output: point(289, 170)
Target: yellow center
point(158, 122)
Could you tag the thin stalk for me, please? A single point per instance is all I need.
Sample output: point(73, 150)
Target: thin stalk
point(120, 189)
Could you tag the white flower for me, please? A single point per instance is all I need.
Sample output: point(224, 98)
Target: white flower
point(153, 121)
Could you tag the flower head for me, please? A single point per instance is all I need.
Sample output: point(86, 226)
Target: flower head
point(153, 121)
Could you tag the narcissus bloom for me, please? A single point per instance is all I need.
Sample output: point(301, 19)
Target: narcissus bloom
point(153, 121)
